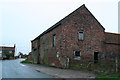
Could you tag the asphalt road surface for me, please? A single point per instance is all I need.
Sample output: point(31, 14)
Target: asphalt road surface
point(14, 69)
point(0, 69)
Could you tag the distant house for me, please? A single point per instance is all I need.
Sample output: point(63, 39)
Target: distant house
point(7, 52)
point(78, 36)
point(21, 55)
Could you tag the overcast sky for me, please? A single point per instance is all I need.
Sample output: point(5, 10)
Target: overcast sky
point(23, 20)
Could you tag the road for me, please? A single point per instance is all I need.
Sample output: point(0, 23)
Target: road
point(14, 69)
point(0, 69)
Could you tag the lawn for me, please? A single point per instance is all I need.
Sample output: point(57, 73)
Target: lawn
point(113, 76)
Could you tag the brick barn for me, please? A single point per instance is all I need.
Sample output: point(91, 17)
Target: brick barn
point(7, 52)
point(79, 36)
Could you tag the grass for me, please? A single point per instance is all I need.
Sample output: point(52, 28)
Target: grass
point(113, 76)
point(27, 61)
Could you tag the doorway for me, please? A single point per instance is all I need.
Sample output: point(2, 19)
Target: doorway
point(96, 57)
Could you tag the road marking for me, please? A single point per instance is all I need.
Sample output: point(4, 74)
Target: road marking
point(22, 65)
point(37, 70)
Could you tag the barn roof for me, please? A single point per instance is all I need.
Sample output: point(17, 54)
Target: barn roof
point(65, 18)
point(112, 38)
point(7, 48)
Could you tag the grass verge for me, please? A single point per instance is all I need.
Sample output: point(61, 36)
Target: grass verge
point(113, 76)
point(27, 61)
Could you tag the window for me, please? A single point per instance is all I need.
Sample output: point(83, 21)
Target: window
point(0, 55)
point(96, 57)
point(0, 51)
point(77, 55)
point(54, 40)
point(10, 51)
point(34, 49)
point(81, 35)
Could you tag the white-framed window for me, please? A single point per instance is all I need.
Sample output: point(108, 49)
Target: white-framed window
point(10, 51)
point(54, 40)
point(77, 54)
point(81, 35)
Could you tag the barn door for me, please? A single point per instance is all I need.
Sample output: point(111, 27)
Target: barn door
point(96, 57)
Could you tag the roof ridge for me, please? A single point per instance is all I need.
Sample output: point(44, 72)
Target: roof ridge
point(59, 22)
point(112, 33)
point(66, 17)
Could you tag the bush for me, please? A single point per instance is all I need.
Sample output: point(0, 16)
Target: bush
point(27, 61)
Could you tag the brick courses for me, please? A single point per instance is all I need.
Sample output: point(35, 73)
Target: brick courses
point(66, 32)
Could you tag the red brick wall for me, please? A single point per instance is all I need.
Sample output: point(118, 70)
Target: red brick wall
point(47, 51)
point(112, 50)
point(112, 44)
point(35, 54)
point(93, 32)
point(67, 39)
